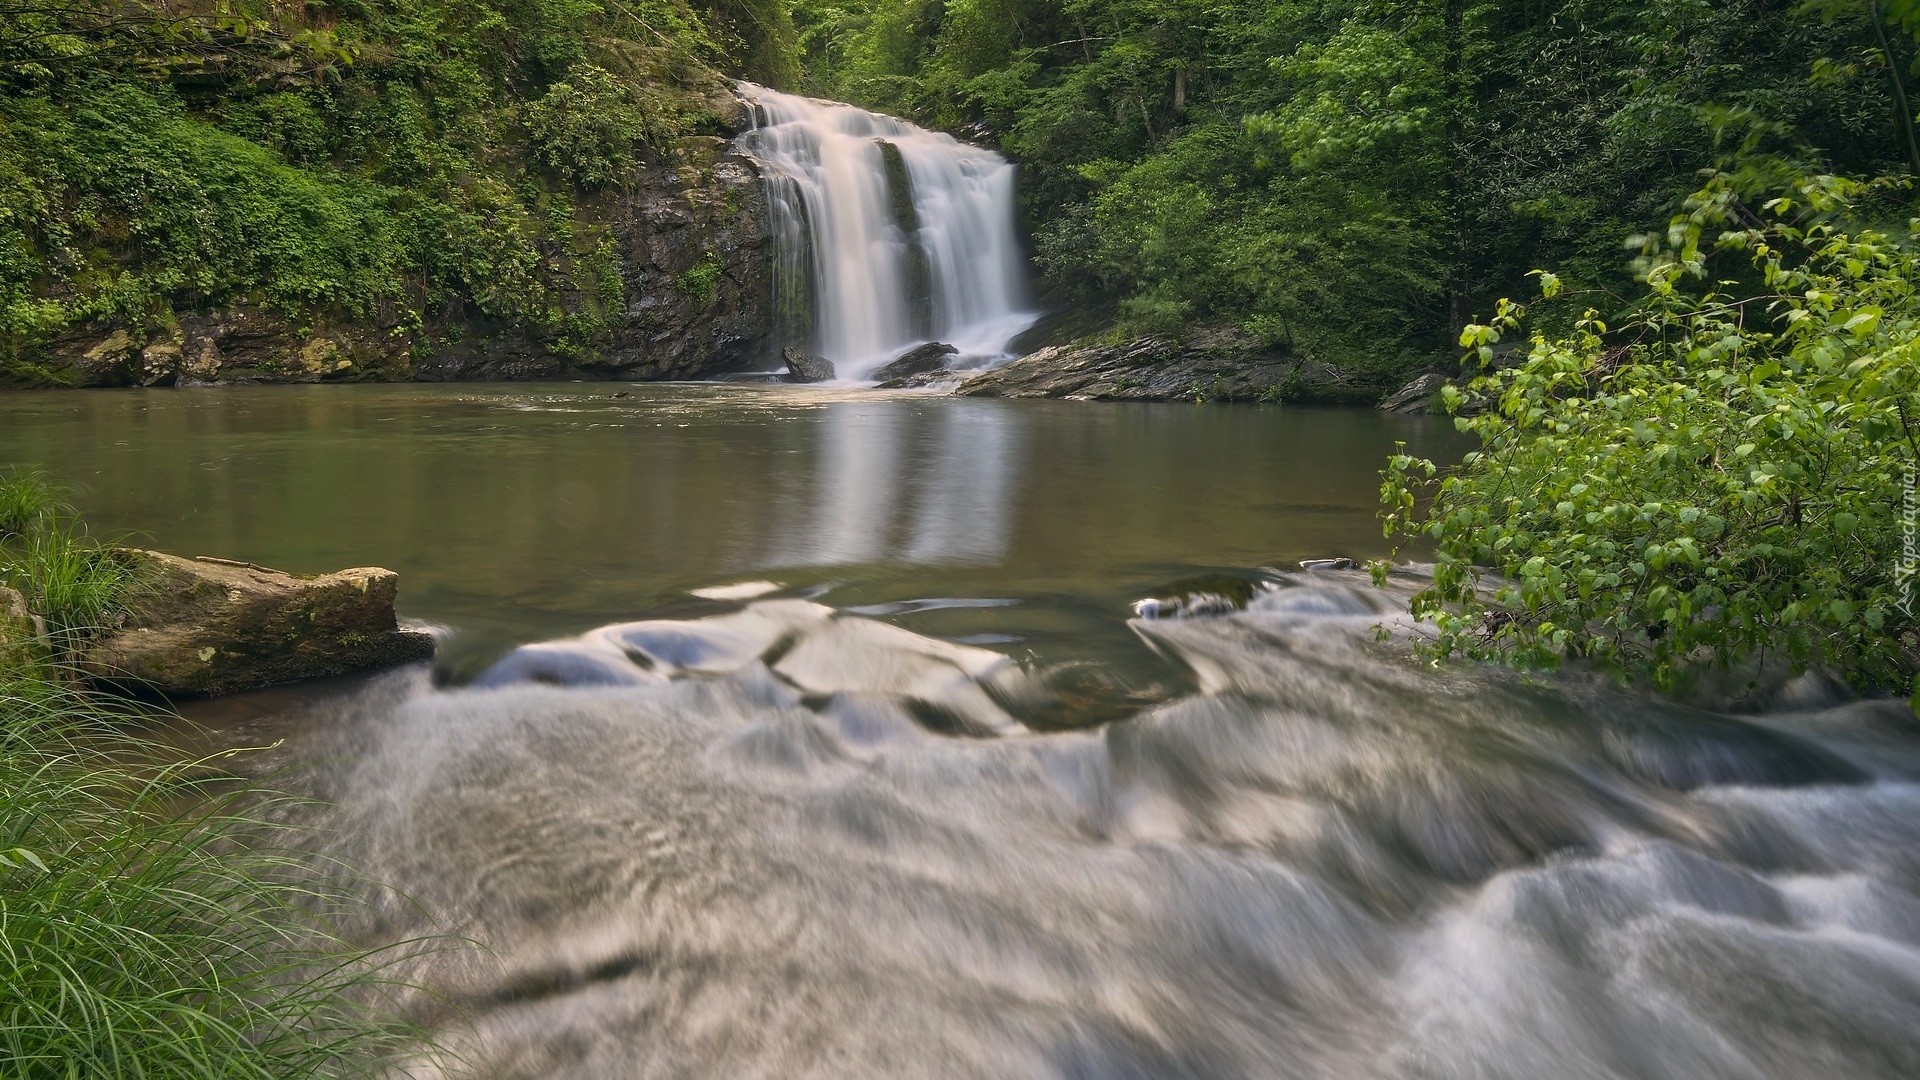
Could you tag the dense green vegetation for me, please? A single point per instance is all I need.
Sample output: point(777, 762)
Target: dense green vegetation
point(1726, 477)
point(374, 160)
point(1355, 177)
point(138, 939)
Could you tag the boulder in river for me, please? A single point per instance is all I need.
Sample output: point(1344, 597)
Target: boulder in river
point(804, 366)
point(206, 626)
point(918, 360)
point(1211, 364)
point(1418, 396)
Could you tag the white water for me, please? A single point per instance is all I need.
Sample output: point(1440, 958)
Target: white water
point(841, 244)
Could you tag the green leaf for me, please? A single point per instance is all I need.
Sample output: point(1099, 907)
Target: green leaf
point(13, 859)
point(1865, 321)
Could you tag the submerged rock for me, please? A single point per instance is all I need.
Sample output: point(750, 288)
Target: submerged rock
point(918, 360)
point(1208, 594)
point(1417, 397)
point(804, 366)
point(1205, 365)
point(1337, 563)
point(211, 626)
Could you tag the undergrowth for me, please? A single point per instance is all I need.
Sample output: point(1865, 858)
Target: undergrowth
point(73, 584)
point(155, 921)
point(384, 161)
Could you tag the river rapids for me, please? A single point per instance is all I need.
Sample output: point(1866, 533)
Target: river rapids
point(785, 840)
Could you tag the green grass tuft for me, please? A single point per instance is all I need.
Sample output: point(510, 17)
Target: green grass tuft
point(155, 919)
point(139, 940)
point(74, 583)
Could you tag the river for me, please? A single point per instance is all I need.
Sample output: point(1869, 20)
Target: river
point(789, 731)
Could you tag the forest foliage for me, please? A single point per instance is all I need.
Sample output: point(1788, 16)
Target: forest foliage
point(370, 158)
point(1725, 479)
point(1351, 178)
point(1355, 178)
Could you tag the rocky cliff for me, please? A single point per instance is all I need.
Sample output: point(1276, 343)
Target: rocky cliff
point(1206, 364)
point(667, 278)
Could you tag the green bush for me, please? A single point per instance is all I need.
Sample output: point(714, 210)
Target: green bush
point(140, 206)
point(702, 280)
point(138, 941)
point(1725, 478)
point(587, 128)
point(138, 938)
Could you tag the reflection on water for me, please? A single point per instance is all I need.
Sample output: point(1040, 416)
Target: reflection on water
point(967, 487)
point(515, 513)
point(890, 485)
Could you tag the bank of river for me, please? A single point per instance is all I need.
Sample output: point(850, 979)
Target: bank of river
point(806, 732)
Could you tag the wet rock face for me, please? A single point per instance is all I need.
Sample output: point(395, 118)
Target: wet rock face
point(695, 249)
point(697, 252)
point(692, 244)
point(804, 366)
point(1205, 366)
point(1417, 397)
point(237, 344)
point(209, 626)
point(918, 360)
point(939, 377)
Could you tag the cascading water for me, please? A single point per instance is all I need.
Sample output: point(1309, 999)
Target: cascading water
point(886, 234)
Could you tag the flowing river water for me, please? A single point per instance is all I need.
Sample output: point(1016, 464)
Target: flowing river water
point(800, 732)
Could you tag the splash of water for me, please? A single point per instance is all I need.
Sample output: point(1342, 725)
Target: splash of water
point(886, 234)
point(789, 840)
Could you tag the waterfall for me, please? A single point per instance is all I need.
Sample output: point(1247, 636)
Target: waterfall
point(886, 234)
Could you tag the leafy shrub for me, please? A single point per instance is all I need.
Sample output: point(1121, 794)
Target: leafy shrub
point(289, 124)
point(1725, 478)
point(74, 584)
point(145, 204)
point(587, 128)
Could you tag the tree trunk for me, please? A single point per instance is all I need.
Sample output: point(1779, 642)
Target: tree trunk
point(1902, 114)
point(1458, 297)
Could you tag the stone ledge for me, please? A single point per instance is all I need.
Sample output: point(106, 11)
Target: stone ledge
point(199, 627)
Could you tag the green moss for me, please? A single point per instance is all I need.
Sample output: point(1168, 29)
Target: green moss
point(702, 281)
point(19, 372)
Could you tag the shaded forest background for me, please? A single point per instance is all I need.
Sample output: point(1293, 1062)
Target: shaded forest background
point(1351, 179)
point(1357, 179)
